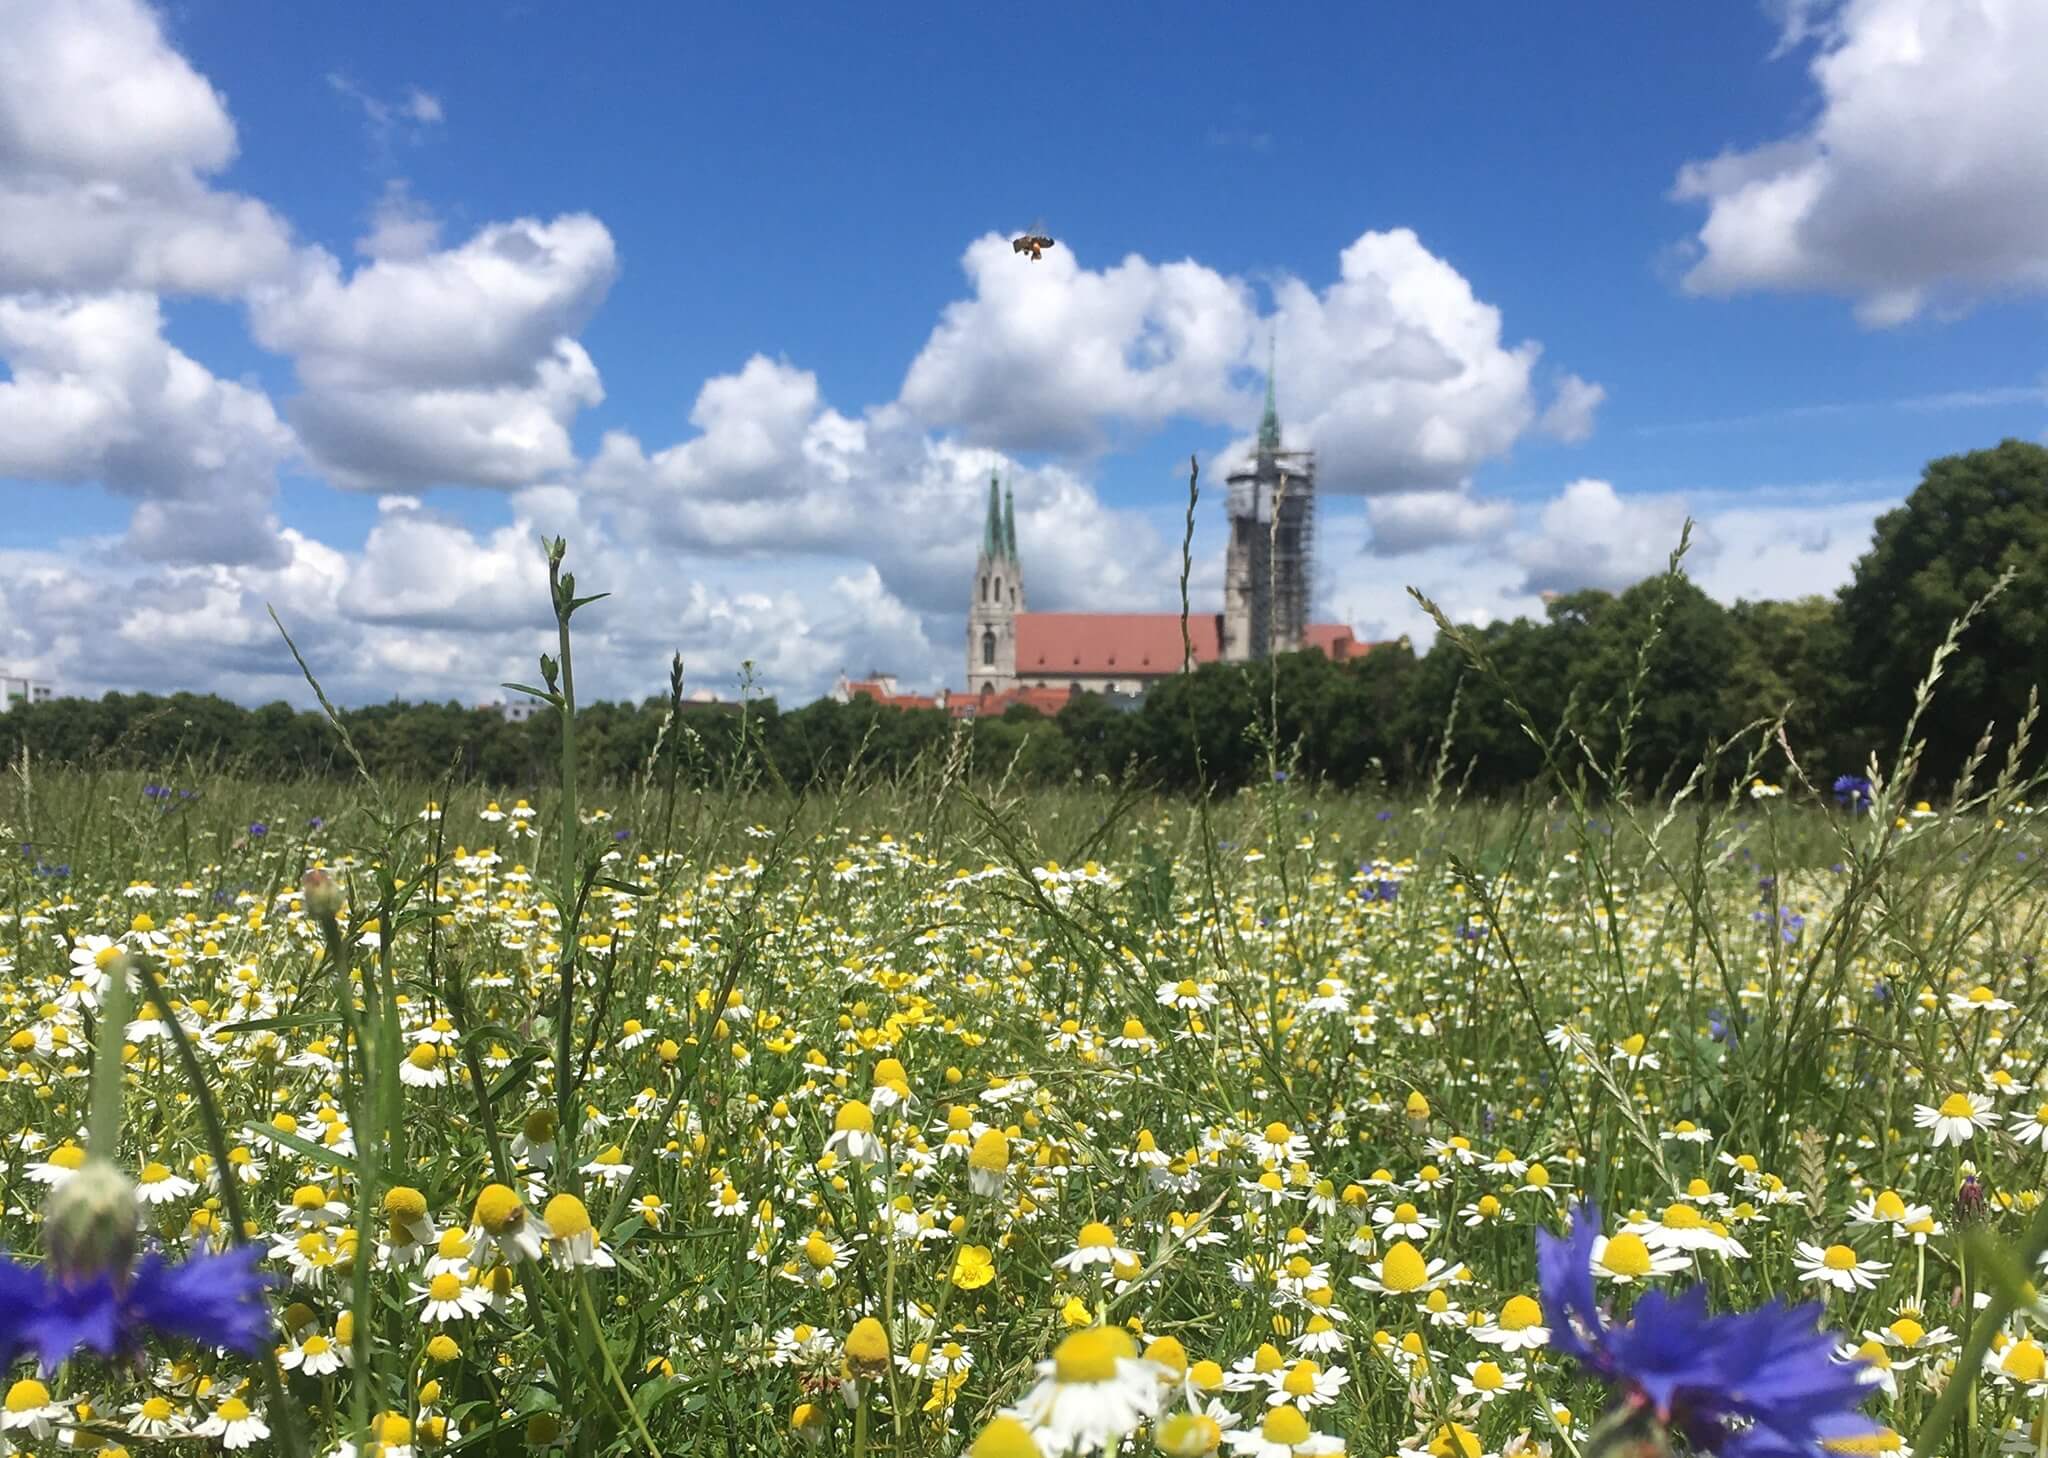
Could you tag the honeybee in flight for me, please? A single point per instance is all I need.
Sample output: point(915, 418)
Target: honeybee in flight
point(1033, 243)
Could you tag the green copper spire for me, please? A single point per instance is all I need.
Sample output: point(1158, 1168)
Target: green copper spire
point(992, 529)
point(1010, 522)
point(1269, 424)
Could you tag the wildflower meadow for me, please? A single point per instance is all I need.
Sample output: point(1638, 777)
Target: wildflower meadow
point(926, 1113)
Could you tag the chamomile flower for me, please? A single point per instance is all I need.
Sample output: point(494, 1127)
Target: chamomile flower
point(1404, 1221)
point(29, 1412)
point(448, 1298)
point(572, 1239)
point(1187, 995)
point(1517, 1328)
point(235, 1423)
point(1402, 1271)
point(1094, 1391)
point(853, 1134)
point(1682, 1228)
point(1483, 1381)
point(1095, 1246)
point(1956, 1119)
point(1283, 1433)
point(423, 1067)
point(1305, 1383)
point(1838, 1266)
point(501, 1222)
point(313, 1353)
point(157, 1185)
point(1626, 1259)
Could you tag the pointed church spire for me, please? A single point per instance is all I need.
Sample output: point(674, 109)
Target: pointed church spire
point(992, 529)
point(1010, 521)
point(1269, 424)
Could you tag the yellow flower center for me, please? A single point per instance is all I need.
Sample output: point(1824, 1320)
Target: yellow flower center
point(27, 1395)
point(316, 1345)
point(498, 1210)
point(1092, 1355)
point(445, 1287)
point(1519, 1313)
point(867, 1344)
point(566, 1217)
point(1278, 1134)
point(2024, 1360)
point(1096, 1236)
point(1266, 1359)
point(394, 1430)
point(1682, 1217)
point(423, 1056)
point(1004, 1438)
point(154, 1173)
point(403, 1202)
point(1958, 1106)
point(234, 1410)
point(1908, 1331)
point(1300, 1380)
point(1890, 1206)
point(1134, 1030)
point(156, 1409)
point(1839, 1258)
point(1403, 1268)
point(819, 1251)
point(991, 1152)
point(853, 1117)
point(309, 1197)
point(1633, 1045)
point(1488, 1377)
point(1405, 1213)
point(1285, 1424)
point(1626, 1255)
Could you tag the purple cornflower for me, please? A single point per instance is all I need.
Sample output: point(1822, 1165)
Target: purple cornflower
point(1754, 1384)
point(1852, 792)
point(210, 1300)
point(258, 828)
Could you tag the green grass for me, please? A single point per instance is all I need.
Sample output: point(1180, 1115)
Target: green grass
point(741, 963)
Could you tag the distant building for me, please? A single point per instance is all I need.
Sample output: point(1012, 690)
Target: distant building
point(514, 711)
point(1268, 569)
point(17, 688)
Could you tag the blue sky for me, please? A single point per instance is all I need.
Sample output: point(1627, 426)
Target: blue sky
point(810, 190)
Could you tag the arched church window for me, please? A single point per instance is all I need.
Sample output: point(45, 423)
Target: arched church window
point(988, 649)
point(984, 589)
point(999, 589)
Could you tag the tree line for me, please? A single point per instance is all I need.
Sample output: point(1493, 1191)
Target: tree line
point(1843, 671)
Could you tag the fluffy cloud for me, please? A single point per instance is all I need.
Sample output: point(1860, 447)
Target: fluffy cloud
point(1924, 175)
point(1589, 535)
point(98, 394)
point(1044, 355)
point(774, 471)
point(1423, 519)
point(1396, 374)
point(106, 137)
point(457, 365)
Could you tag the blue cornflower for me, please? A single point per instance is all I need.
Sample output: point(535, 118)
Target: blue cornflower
point(210, 1300)
point(1852, 792)
point(258, 828)
point(1755, 1384)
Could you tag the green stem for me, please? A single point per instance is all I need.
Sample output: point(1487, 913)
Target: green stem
point(292, 1441)
point(103, 1129)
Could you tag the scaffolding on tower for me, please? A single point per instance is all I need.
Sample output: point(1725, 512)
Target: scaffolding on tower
point(1272, 510)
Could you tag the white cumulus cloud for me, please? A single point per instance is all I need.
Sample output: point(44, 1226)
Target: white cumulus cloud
point(1923, 177)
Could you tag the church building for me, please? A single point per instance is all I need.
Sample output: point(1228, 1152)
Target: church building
point(1015, 653)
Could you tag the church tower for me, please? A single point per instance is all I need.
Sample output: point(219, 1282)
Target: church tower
point(998, 598)
point(1269, 564)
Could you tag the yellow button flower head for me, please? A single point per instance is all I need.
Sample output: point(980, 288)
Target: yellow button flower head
point(867, 1348)
point(1004, 1438)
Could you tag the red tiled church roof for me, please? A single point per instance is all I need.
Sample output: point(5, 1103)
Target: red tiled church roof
point(1111, 643)
point(1141, 644)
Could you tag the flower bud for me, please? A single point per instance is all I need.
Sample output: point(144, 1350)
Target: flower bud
point(89, 1225)
point(323, 895)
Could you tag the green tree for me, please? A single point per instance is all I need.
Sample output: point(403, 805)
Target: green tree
point(1971, 517)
